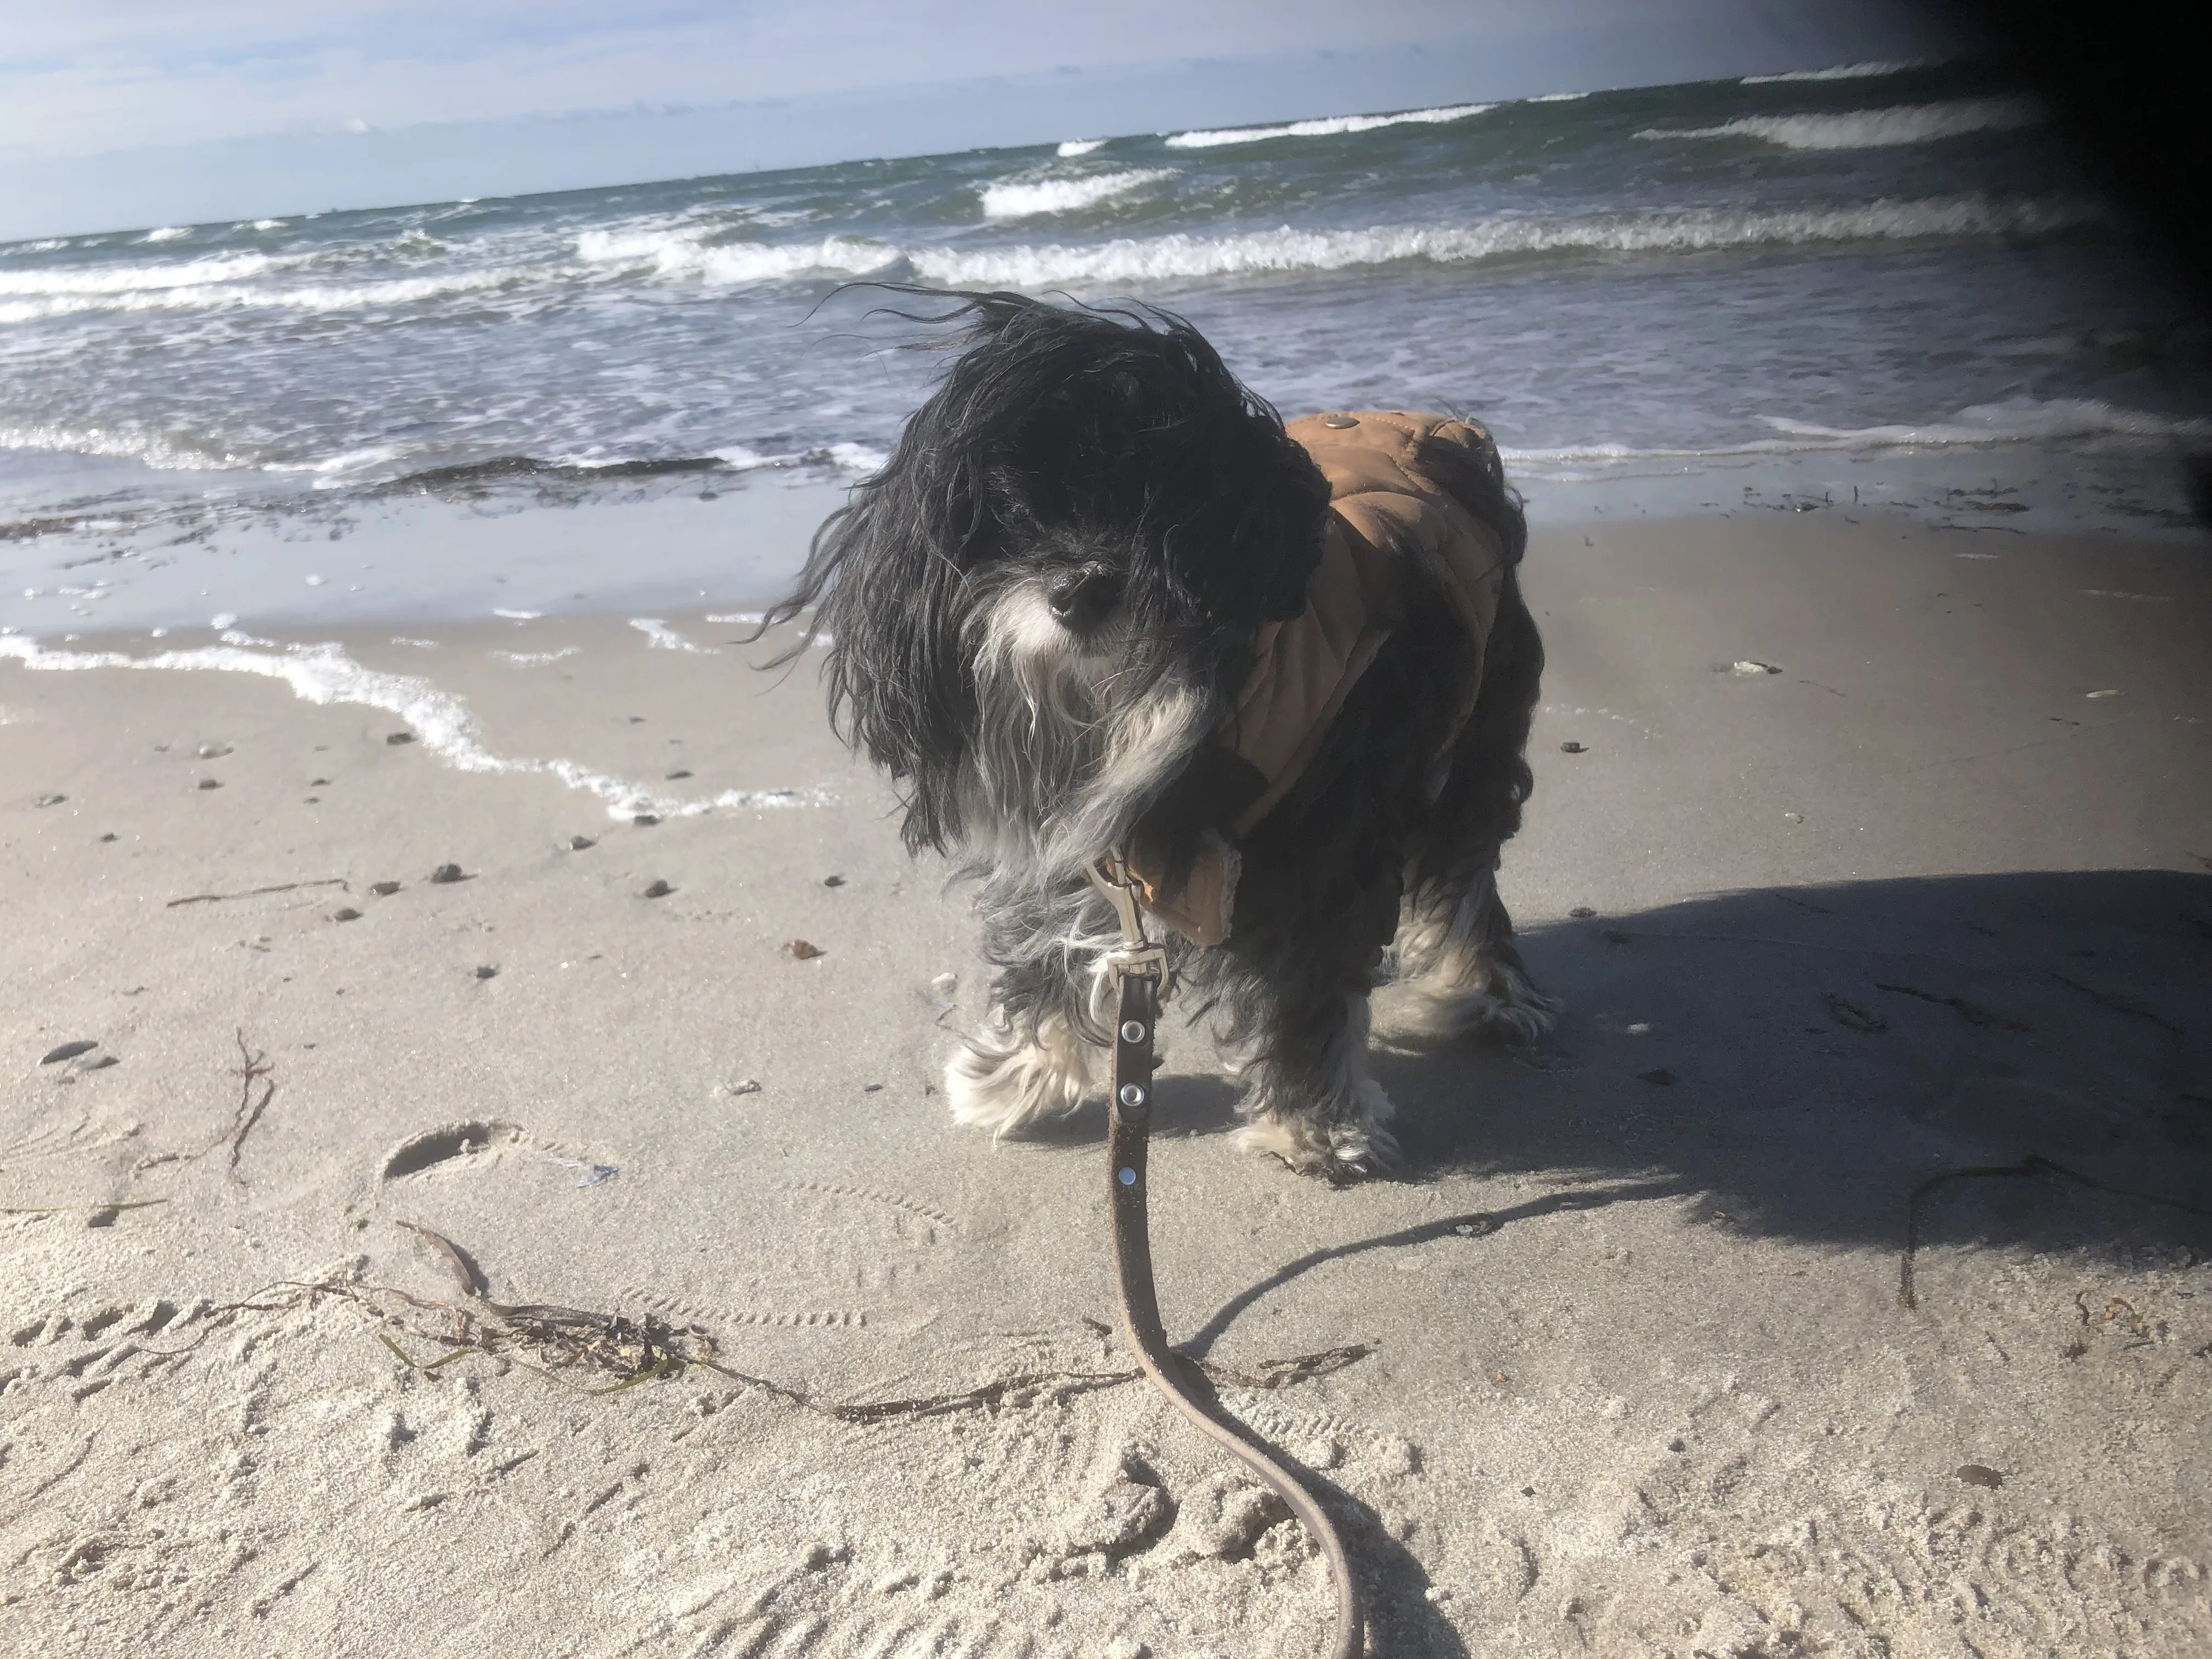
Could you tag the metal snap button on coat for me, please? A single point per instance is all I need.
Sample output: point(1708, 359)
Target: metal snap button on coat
point(1339, 421)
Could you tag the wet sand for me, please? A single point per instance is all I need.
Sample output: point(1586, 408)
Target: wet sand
point(1885, 852)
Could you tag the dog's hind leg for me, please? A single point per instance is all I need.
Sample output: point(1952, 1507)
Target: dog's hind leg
point(1454, 948)
point(1028, 1059)
point(1455, 955)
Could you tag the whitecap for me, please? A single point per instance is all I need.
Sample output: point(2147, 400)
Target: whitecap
point(1180, 255)
point(132, 279)
point(1022, 197)
point(166, 233)
point(1327, 127)
point(1840, 72)
point(1074, 147)
point(1870, 129)
point(682, 254)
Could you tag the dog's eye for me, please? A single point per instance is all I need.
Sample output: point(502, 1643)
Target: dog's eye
point(1080, 599)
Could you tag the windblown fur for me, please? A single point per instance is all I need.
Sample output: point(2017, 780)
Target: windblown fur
point(1040, 611)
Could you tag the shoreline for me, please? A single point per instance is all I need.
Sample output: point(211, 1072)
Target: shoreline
point(734, 538)
point(1924, 898)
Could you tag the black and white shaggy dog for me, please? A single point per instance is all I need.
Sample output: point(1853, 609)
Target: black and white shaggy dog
point(1046, 616)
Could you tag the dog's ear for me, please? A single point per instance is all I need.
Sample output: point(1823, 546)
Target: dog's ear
point(887, 573)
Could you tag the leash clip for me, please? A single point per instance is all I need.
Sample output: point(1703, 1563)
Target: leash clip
point(1135, 957)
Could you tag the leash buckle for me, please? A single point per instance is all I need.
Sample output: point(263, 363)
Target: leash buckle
point(1136, 956)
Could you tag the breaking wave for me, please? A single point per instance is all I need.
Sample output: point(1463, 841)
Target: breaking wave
point(133, 279)
point(1022, 198)
point(230, 295)
point(1181, 256)
point(1325, 128)
point(1870, 129)
point(675, 253)
point(1840, 72)
point(1075, 146)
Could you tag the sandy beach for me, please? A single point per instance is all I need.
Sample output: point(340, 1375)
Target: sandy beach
point(1861, 852)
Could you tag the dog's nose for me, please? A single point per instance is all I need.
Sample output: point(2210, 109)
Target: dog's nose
point(1081, 598)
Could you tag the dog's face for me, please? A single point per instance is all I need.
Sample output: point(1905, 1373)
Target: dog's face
point(1038, 606)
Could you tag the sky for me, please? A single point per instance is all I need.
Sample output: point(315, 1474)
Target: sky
point(126, 114)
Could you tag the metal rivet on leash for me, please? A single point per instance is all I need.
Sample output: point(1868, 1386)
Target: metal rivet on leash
point(1141, 978)
point(1339, 421)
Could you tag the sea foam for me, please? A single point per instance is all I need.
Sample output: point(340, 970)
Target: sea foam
point(1870, 129)
point(1327, 127)
point(2013, 420)
point(322, 674)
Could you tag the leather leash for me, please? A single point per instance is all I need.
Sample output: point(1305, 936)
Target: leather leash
point(1139, 971)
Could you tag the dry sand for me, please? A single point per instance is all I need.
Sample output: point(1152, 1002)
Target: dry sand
point(1931, 894)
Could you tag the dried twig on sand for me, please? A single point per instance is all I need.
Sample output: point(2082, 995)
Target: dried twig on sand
point(256, 892)
point(253, 1065)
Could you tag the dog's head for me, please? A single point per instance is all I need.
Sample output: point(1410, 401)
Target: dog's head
point(1036, 608)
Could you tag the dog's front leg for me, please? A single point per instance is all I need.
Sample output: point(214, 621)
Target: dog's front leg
point(1028, 1057)
point(1312, 1103)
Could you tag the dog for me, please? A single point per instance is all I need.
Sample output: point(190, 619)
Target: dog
point(1101, 600)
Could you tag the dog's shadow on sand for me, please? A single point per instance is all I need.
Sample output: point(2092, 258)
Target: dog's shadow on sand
point(1800, 1061)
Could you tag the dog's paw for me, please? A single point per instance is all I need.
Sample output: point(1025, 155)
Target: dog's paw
point(1339, 1153)
point(999, 1082)
point(1512, 1011)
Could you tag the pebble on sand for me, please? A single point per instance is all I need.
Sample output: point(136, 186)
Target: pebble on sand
point(1581, 912)
point(1570, 747)
point(395, 739)
point(69, 1051)
point(384, 889)
point(348, 914)
point(447, 872)
point(210, 783)
point(1750, 666)
point(801, 950)
point(48, 801)
point(580, 843)
point(833, 881)
point(645, 820)
point(658, 889)
point(743, 1085)
point(487, 971)
point(680, 772)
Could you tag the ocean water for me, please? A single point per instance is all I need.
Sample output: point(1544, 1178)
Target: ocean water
point(1890, 286)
